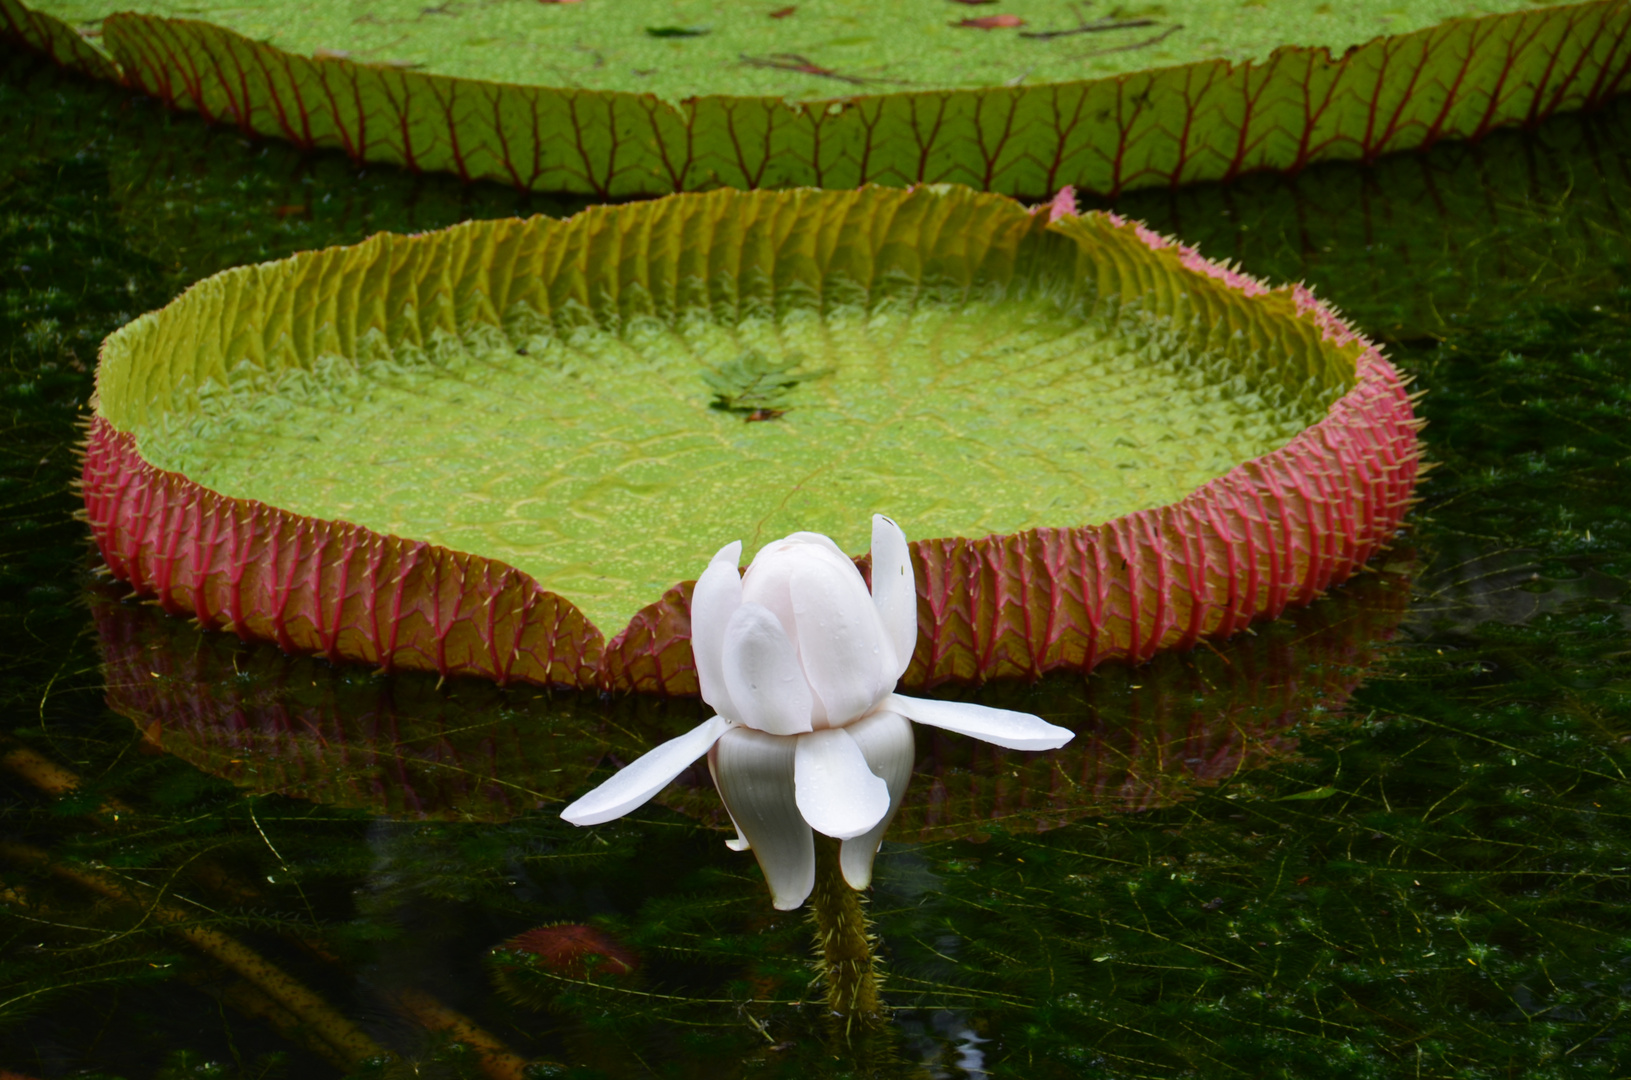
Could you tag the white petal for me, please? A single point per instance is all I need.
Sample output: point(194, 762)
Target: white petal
point(1015, 730)
point(754, 774)
point(762, 673)
point(837, 792)
point(645, 776)
point(885, 739)
point(717, 595)
point(846, 657)
point(765, 581)
point(894, 589)
point(818, 540)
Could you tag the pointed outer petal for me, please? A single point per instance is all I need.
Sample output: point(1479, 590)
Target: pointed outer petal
point(836, 789)
point(846, 656)
point(1015, 730)
point(762, 673)
point(754, 773)
point(741, 842)
point(717, 595)
point(645, 776)
point(894, 589)
point(885, 739)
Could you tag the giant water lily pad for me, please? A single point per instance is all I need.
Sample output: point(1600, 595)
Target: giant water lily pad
point(481, 450)
point(655, 96)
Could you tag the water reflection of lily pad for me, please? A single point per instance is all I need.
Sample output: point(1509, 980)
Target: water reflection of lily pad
point(403, 746)
point(463, 451)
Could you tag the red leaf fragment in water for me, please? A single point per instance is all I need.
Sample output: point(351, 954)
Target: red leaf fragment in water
point(782, 13)
point(566, 949)
point(992, 22)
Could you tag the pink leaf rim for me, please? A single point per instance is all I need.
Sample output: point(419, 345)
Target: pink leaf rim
point(1277, 530)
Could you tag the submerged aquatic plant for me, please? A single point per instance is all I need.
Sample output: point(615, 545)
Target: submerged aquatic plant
point(800, 662)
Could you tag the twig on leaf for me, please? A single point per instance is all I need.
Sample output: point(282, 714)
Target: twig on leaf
point(800, 64)
point(1162, 36)
point(1084, 26)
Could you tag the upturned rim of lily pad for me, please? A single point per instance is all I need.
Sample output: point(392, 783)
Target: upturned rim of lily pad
point(1160, 126)
point(1276, 530)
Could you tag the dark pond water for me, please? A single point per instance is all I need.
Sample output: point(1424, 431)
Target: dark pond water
point(1388, 836)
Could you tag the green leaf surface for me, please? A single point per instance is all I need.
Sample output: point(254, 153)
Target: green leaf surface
point(677, 49)
point(581, 97)
point(547, 394)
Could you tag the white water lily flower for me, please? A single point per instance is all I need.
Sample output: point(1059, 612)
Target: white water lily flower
point(800, 662)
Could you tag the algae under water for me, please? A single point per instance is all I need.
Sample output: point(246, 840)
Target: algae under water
point(1429, 881)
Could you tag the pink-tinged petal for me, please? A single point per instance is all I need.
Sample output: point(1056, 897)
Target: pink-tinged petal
point(762, 673)
point(837, 792)
point(885, 739)
point(754, 774)
point(894, 589)
point(645, 776)
point(717, 595)
point(1015, 730)
point(841, 643)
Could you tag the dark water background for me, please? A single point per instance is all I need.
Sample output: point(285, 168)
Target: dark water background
point(1247, 879)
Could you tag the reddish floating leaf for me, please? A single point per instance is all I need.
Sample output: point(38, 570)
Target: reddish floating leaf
point(575, 950)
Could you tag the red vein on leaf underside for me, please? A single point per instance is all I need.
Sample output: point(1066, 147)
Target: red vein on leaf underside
point(1311, 116)
point(506, 156)
point(992, 156)
point(1244, 144)
point(279, 111)
point(448, 107)
point(729, 108)
point(1513, 49)
point(1451, 99)
point(1551, 65)
point(537, 135)
point(1191, 101)
point(925, 147)
point(871, 127)
point(1064, 132)
point(1599, 92)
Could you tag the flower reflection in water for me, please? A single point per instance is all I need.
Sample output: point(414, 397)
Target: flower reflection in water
point(472, 752)
point(475, 752)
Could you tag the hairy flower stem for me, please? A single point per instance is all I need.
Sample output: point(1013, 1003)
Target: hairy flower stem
point(844, 941)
